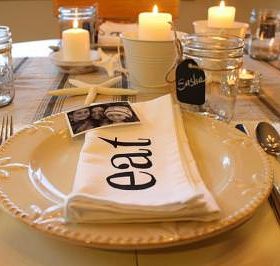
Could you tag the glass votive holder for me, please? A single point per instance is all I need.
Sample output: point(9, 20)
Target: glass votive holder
point(84, 16)
point(7, 90)
point(249, 82)
point(264, 43)
point(264, 49)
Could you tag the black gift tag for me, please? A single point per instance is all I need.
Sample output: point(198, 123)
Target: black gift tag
point(190, 83)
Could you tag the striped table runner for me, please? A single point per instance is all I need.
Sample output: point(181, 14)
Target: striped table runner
point(35, 76)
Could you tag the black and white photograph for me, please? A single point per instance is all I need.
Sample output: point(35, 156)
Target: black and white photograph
point(100, 115)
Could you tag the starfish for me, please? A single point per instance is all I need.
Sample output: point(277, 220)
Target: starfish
point(108, 83)
point(92, 90)
point(111, 63)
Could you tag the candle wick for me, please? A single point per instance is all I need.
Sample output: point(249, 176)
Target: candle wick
point(75, 23)
point(222, 4)
point(155, 9)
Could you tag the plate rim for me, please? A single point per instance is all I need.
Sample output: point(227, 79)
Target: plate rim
point(62, 232)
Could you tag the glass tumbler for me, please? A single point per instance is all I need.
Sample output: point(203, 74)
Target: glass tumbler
point(7, 90)
point(264, 43)
point(85, 16)
point(218, 60)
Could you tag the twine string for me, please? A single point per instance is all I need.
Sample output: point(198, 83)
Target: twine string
point(178, 58)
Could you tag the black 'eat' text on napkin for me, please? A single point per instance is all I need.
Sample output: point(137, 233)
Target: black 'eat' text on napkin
point(190, 83)
point(116, 180)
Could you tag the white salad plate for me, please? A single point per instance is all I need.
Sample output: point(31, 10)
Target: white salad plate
point(75, 67)
point(234, 168)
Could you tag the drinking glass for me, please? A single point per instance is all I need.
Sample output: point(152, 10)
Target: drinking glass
point(218, 58)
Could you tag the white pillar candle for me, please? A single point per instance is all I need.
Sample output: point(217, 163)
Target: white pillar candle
point(75, 44)
point(154, 26)
point(221, 16)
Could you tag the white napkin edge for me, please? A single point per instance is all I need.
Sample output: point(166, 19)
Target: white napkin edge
point(191, 167)
point(117, 213)
point(116, 216)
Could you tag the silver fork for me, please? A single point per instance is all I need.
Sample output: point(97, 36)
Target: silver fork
point(7, 129)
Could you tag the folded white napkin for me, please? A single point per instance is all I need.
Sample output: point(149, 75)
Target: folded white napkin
point(140, 173)
point(109, 31)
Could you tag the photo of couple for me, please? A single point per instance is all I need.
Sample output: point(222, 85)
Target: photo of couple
point(99, 115)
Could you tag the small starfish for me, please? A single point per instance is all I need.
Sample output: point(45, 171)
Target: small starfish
point(111, 63)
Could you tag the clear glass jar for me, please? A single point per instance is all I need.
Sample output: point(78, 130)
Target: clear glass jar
point(86, 17)
point(7, 90)
point(219, 59)
point(264, 43)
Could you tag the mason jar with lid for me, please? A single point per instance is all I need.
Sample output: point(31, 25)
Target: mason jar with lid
point(7, 91)
point(207, 79)
point(85, 16)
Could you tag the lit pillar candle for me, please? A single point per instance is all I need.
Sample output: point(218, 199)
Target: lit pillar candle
point(221, 16)
point(154, 26)
point(75, 44)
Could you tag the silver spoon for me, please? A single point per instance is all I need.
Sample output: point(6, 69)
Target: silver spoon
point(269, 140)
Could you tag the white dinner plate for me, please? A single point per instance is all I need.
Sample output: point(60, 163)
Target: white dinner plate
point(233, 166)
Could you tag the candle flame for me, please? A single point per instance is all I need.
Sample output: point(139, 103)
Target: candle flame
point(271, 42)
point(75, 24)
point(155, 9)
point(243, 71)
point(222, 4)
point(231, 80)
